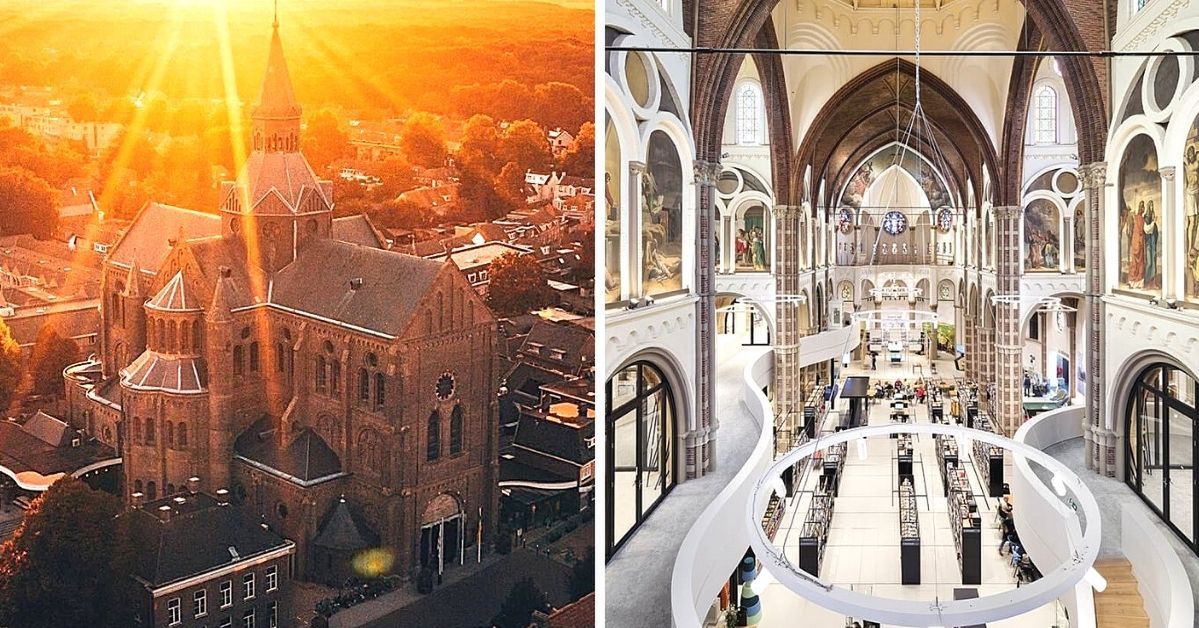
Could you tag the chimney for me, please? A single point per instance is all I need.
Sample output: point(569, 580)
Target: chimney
point(164, 513)
point(193, 485)
point(137, 499)
point(355, 283)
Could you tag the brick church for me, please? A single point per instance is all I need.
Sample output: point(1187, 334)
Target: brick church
point(343, 393)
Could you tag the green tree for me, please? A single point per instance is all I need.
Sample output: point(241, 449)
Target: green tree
point(60, 567)
point(525, 145)
point(422, 139)
point(480, 145)
point(580, 157)
point(517, 285)
point(562, 105)
point(51, 354)
point(28, 204)
point(83, 108)
point(10, 366)
point(324, 141)
point(582, 575)
point(517, 609)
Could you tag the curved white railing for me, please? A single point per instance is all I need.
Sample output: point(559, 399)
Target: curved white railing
point(1161, 578)
point(718, 540)
point(1047, 526)
point(829, 345)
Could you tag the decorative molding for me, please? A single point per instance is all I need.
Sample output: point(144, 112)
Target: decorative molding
point(1150, 31)
point(653, 25)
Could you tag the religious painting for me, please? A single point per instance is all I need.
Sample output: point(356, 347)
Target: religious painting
point(661, 218)
point(1190, 212)
point(929, 181)
point(1080, 239)
point(612, 205)
point(1042, 236)
point(750, 239)
point(1140, 218)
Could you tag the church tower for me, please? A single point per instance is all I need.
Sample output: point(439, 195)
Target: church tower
point(278, 203)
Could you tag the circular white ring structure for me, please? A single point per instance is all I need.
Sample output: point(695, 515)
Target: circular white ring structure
point(980, 610)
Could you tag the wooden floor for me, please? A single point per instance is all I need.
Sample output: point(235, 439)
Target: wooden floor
point(1120, 605)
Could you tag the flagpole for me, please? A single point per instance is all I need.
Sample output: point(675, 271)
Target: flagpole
point(479, 538)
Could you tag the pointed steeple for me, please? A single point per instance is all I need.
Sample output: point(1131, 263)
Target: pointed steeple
point(219, 311)
point(133, 285)
point(277, 100)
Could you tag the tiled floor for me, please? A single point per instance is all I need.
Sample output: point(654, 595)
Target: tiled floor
point(863, 549)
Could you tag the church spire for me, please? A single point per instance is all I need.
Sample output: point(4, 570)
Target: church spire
point(276, 117)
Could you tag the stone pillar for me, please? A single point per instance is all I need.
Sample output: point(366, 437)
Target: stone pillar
point(787, 399)
point(631, 262)
point(1008, 365)
point(706, 174)
point(971, 342)
point(1100, 448)
point(1171, 239)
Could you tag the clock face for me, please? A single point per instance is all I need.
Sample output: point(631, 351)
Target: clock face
point(945, 219)
point(895, 223)
point(845, 220)
point(445, 386)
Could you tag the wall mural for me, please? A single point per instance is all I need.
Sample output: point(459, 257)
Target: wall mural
point(612, 203)
point(661, 217)
point(1190, 207)
point(1140, 205)
point(750, 239)
point(1042, 236)
point(868, 172)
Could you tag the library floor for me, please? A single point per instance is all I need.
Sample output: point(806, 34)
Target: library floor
point(863, 544)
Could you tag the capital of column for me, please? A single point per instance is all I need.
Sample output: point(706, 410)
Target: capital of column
point(786, 211)
point(1167, 172)
point(1006, 212)
point(1094, 175)
point(707, 172)
point(637, 167)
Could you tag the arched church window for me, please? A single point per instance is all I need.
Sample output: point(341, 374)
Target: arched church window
point(380, 390)
point(149, 431)
point(320, 373)
point(280, 358)
point(364, 386)
point(170, 442)
point(136, 432)
point(433, 444)
point(254, 357)
point(238, 360)
point(151, 491)
point(456, 431)
point(749, 114)
point(181, 436)
point(1046, 120)
point(335, 377)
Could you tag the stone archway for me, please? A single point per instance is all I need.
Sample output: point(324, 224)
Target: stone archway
point(442, 533)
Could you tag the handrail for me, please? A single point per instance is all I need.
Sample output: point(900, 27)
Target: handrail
point(717, 541)
point(1037, 506)
point(1161, 578)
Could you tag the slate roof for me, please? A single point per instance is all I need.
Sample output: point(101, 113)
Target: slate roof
point(148, 237)
point(40, 451)
point(199, 536)
point(49, 430)
point(320, 283)
point(344, 530)
point(287, 173)
point(577, 345)
point(173, 296)
point(170, 373)
point(307, 457)
point(358, 230)
point(557, 439)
